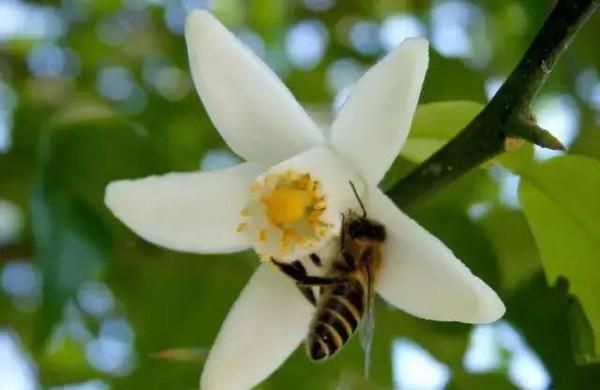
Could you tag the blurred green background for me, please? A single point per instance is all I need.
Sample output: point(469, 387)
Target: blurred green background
point(92, 91)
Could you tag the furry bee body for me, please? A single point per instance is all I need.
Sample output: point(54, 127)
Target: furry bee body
point(346, 290)
point(343, 304)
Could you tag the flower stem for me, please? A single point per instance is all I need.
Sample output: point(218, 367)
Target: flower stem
point(508, 114)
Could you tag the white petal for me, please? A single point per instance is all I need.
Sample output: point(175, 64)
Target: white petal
point(422, 276)
point(255, 113)
point(334, 175)
point(265, 325)
point(192, 212)
point(373, 124)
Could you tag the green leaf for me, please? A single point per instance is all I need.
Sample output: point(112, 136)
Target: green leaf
point(71, 244)
point(66, 360)
point(451, 226)
point(582, 339)
point(490, 381)
point(88, 149)
point(518, 257)
point(560, 198)
point(436, 123)
point(540, 312)
point(519, 159)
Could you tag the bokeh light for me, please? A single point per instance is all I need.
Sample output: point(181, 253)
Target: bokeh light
point(25, 20)
point(508, 186)
point(415, 368)
point(20, 279)
point(95, 384)
point(457, 25)
point(11, 222)
point(364, 37)
point(8, 101)
point(499, 346)
point(588, 87)
point(396, 28)
point(96, 299)
point(218, 159)
point(251, 39)
point(343, 73)
point(175, 17)
point(305, 43)
point(560, 116)
point(17, 372)
point(492, 85)
point(115, 83)
point(478, 210)
point(112, 352)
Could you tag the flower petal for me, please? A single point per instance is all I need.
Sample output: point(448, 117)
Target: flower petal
point(265, 325)
point(255, 113)
point(373, 124)
point(422, 276)
point(192, 212)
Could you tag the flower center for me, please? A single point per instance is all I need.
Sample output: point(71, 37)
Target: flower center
point(286, 205)
point(285, 213)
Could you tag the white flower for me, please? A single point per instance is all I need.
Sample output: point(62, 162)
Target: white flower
point(286, 200)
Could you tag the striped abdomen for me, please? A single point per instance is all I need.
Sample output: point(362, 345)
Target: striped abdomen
point(341, 308)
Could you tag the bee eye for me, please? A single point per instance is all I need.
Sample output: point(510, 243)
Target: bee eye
point(366, 229)
point(379, 232)
point(355, 229)
point(358, 229)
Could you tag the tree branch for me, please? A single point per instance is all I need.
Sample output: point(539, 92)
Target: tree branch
point(508, 114)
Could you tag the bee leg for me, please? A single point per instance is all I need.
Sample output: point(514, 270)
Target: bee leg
point(349, 259)
point(319, 281)
point(305, 290)
point(346, 264)
point(308, 294)
point(296, 271)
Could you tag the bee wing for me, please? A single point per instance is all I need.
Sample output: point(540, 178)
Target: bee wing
point(367, 327)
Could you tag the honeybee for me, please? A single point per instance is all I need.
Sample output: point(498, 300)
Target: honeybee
point(345, 301)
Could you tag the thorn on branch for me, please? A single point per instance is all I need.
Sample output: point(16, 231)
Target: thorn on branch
point(507, 117)
point(528, 130)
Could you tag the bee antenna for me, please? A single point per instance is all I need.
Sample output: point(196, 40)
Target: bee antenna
point(362, 206)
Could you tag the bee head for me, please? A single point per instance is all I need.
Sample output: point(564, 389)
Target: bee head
point(362, 227)
point(366, 229)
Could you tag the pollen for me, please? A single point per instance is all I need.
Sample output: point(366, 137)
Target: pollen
point(286, 213)
point(320, 206)
point(263, 234)
point(286, 205)
point(290, 197)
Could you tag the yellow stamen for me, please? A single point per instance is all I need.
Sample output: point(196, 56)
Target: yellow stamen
point(291, 211)
point(241, 227)
point(286, 205)
point(320, 205)
point(304, 182)
point(262, 235)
